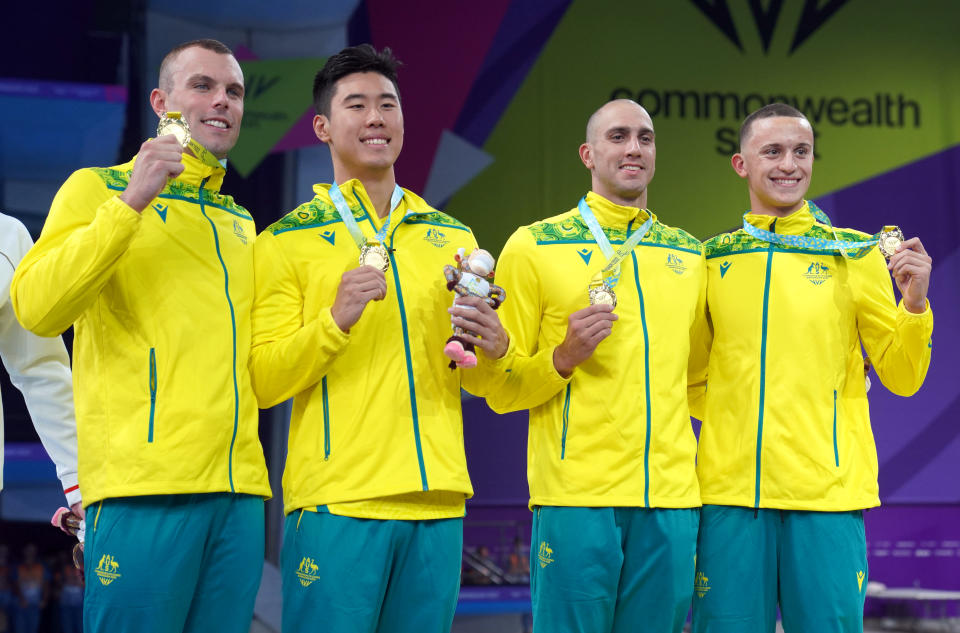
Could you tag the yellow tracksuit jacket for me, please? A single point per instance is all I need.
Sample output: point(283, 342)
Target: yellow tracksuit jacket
point(786, 421)
point(618, 432)
point(159, 302)
point(376, 429)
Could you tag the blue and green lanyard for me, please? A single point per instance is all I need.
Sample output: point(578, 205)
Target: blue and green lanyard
point(611, 272)
point(861, 248)
point(348, 220)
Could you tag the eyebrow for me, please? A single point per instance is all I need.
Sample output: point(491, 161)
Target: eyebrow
point(211, 80)
point(626, 130)
point(382, 95)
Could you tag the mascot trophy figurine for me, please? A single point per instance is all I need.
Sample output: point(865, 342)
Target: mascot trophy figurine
point(470, 277)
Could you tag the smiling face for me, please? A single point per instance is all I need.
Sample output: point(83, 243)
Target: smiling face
point(207, 88)
point(620, 152)
point(777, 161)
point(365, 127)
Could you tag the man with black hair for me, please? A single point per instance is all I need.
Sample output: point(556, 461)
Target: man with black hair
point(154, 269)
point(376, 478)
point(786, 460)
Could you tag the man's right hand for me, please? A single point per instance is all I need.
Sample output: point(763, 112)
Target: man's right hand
point(585, 330)
point(357, 287)
point(157, 161)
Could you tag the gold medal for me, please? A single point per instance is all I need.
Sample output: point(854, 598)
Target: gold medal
point(375, 254)
point(890, 239)
point(173, 123)
point(600, 292)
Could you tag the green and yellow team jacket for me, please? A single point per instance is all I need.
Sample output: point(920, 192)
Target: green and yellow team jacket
point(786, 422)
point(618, 432)
point(159, 302)
point(376, 429)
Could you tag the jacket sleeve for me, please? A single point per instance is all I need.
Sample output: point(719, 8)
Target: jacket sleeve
point(86, 233)
point(898, 342)
point(529, 377)
point(287, 355)
point(701, 339)
point(40, 369)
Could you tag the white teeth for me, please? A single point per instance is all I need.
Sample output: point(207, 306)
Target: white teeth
point(786, 181)
point(376, 141)
point(632, 167)
point(214, 123)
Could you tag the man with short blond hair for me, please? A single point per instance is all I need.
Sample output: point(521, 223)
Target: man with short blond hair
point(153, 267)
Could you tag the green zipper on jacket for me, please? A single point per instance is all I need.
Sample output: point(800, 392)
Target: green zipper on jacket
point(326, 419)
point(646, 380)
point(836, 453)
point(233, 325)
point(153, 391)
point(566, 420)
point(763, 364)
point(406, 348)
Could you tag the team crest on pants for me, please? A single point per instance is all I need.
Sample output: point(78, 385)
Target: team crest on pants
point(545, 554)
point(108, 569)
point(701, 584)
point(307, 572)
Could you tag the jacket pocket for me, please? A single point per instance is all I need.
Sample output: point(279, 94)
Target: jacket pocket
point(326, 419)
point(836, 452)
point(566, 422)
point(153, 392)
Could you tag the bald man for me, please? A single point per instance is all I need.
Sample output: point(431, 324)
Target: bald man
point(604, 301)
point(154, 269)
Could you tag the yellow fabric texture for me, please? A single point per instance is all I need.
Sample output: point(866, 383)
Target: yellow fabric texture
point(785, 385)
point(159, 302)
point(591, 442)
point(376, 429)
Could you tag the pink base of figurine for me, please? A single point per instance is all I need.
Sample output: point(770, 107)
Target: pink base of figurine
point(455, 352)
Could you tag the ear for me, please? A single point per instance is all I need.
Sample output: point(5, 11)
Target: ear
point(738, 165)
point(586, 155)
point(321, 128)
point(158, 101)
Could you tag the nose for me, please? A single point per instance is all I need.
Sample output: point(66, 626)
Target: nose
point(788, 162)
point(634, 147)
point(375, 117)
point(220, 100)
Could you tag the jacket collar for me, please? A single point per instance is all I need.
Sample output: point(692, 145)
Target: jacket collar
point(797, 223)
point(614, 215)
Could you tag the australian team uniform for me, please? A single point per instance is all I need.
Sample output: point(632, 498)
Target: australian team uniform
point(376, 479)
point(170, 464)
point(787, 460)
point(611, 454)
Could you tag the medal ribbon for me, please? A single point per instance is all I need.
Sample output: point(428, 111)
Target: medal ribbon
point(351, 223)
point(862, 248)
point(611, 271)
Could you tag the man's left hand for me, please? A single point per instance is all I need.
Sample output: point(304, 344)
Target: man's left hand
point(481, 326)
point(910, 267)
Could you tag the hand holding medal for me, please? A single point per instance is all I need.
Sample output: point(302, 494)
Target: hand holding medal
point(158, 161)
point(909, 265)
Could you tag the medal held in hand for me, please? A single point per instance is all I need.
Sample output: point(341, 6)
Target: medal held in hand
point(601, 292)
point(372, 251)
point(890, 239)
point(173, 123)
point(375, 254)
